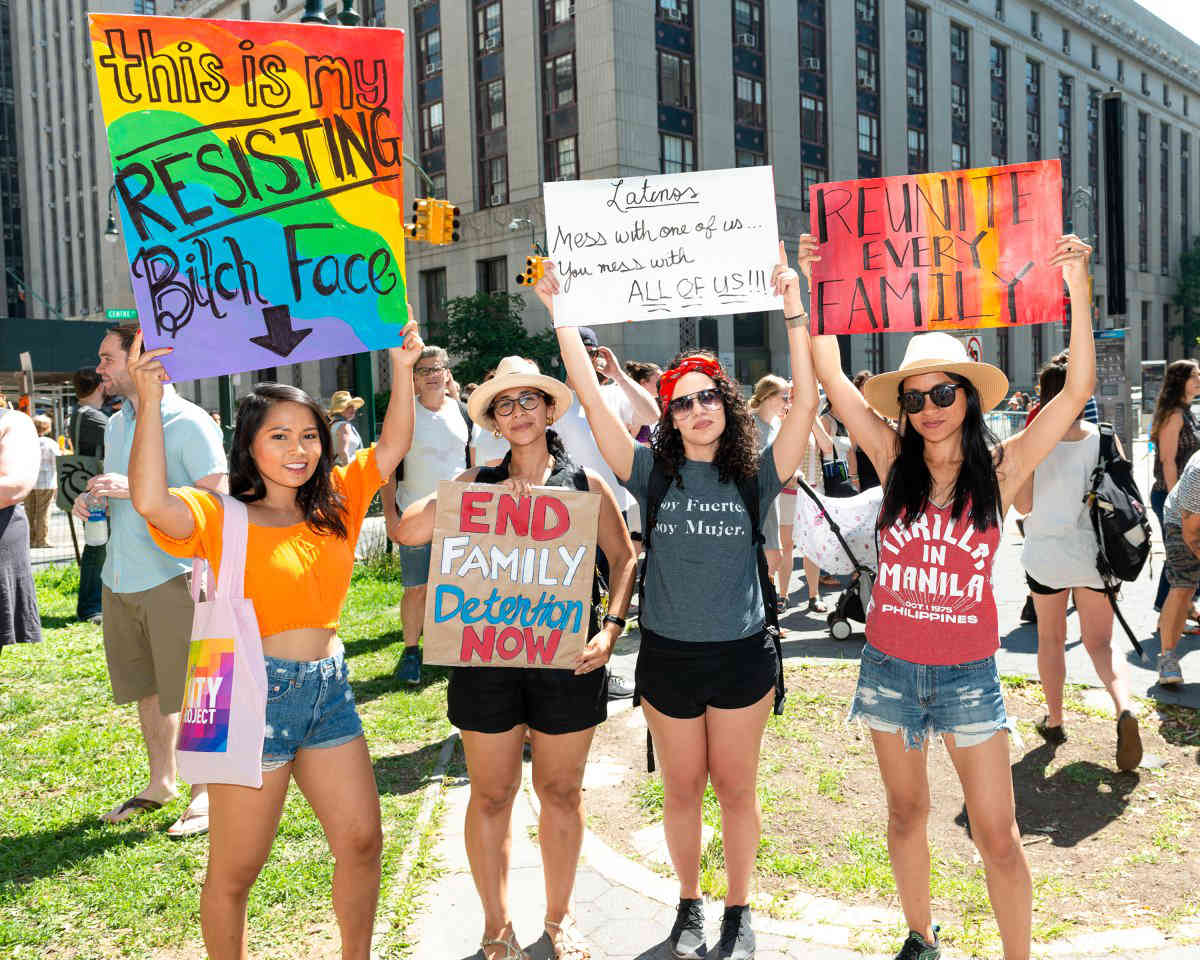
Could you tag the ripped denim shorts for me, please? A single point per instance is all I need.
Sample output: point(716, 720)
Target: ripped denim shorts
point(962, 699)
point(309, 705)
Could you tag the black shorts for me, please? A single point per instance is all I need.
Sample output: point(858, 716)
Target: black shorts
point(496, 699)
point(1044, 591)
point(682, 679)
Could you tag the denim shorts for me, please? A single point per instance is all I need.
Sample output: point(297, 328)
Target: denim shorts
point(414, 564)
point(895, 696)
point(309, 706)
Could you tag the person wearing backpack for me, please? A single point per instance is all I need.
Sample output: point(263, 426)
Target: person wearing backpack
point(709, 667)
point(303, 519)
point(1059, 557)
point(1181, 540)
point(929, 664)
point(494, 706)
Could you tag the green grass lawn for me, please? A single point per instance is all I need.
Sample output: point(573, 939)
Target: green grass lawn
point(71, 886)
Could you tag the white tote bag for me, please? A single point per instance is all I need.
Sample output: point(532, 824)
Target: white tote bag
point(224, 715)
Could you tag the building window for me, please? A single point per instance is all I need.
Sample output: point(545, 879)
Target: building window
point(1166, 95)
point(491, 276)
point(868, 134)
point(1145, 329)
point(958, 43)
point(749, 158)
point(1093, 165)
point(813, 81)
point(1166, 331)
point(1033, 109)
point(748, 101)
point(1185, 191)
point(865, 10)
point(675, 81)
point(560, 160)
point(747, 23)
point(1095, 57)
point(1145, 84)
point(812, 119)
point(1066, 40)
point(679, 11)
point(999, 104)
point(1143, 164)
point(433, 304)
point(438, 189)
point(489, 30)
point(960, 156)
point(1065, 120)
point(429, 52)
point(918, 160)
point(810, 177)
point(491, 106)
point(1000, 10)
point(915, 85)
point(1164, 200)
point(560, 81)
point(678, 153)
point(1120, 70)
point(555, 12)
point(431, 126)
point(494, 181)
point(867, 71)
point(1035, 30)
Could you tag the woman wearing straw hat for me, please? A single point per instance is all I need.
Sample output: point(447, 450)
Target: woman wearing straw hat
point(493, 706)
point(343, 408)
point(929, 661)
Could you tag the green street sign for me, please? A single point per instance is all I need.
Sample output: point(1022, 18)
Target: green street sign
point(120, 314)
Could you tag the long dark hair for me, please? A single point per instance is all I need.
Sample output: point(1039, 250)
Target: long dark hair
point(1051, 380)
point(737, 451)
point(909, 483)
point(1173, 394)
point(324, 508)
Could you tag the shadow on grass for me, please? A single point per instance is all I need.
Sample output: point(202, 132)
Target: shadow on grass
point(1180, 726)
point(30, 856)
point(365, 645)
point(405, 773)
point(57, 623)
point(384, 683)
point(1068, 806)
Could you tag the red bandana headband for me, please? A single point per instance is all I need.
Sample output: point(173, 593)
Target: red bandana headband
point(705, 365)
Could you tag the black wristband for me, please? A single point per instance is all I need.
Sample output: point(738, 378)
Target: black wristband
point(619, 621)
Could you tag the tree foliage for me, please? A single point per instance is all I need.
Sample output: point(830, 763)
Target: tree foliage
point(1187, 297)
point(483, 329)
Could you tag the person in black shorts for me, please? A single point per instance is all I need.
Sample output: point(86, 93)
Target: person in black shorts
point(707, 667)
point(493, 706)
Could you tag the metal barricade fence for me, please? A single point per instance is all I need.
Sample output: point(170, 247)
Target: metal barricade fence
point(61, 548)
point(1005, 423)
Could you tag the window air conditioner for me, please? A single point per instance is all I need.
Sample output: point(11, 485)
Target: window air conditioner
point(998, 73)
point(916, 36)
point(497, 200)
point(491, 43)
point(747, 40)
point(672, 14)
point(812, 63)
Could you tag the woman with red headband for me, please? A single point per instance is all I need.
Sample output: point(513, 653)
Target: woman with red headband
point(707, 669)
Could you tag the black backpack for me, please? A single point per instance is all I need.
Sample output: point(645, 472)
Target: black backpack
point(656, 490)
point(1118, 513)
point(1119, 522)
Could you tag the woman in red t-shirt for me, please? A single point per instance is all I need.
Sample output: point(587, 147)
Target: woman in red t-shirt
point(929, 661)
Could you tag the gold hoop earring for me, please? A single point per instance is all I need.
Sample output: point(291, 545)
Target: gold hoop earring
point(496, 433)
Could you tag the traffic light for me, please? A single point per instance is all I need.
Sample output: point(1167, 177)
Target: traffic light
point(422, 216)
point(444, 222)
point(535, 268)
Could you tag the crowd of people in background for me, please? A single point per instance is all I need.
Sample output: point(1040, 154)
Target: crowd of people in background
point(709, 670)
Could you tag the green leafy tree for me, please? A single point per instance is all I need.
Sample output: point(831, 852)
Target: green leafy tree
point(1187, 297)
point(481, 330)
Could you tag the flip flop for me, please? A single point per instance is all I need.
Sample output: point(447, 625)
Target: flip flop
point(192, 826)
point(141, 804)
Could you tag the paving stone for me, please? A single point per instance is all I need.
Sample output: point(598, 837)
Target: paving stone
point(603, 771)
point(590, 885)
point(651, 842)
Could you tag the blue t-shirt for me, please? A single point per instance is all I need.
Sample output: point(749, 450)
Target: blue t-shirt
point(702, 567)
point(193, 442)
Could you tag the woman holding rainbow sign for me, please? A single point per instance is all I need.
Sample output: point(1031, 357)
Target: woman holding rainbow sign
point(929, 662)
point(304, 517)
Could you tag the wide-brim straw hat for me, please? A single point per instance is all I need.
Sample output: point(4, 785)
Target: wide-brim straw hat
point(341, 400)
point(516, 372)
point(936, 353)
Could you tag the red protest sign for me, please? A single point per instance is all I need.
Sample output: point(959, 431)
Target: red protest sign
point(938, 251)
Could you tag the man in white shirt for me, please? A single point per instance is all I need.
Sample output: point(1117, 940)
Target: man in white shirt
point(441, 433)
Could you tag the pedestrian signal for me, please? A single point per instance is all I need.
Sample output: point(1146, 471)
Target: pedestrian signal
point(535, 268)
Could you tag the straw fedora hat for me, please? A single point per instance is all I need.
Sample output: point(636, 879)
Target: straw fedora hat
point(935, 353)
point(516, 372)
point(341, 400)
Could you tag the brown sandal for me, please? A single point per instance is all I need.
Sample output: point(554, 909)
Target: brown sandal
point(512, 949)
point(565, 940)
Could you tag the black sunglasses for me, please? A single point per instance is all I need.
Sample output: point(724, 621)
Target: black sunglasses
point(528, 401)
point(913, 401)
point(709, 399)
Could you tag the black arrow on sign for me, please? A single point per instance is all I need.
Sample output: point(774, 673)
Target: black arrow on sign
point(281, 339)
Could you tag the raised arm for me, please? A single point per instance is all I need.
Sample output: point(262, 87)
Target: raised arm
point(1024, 451)
point(791, 443)
point(874, 434)
point(396, 436)
point(613, 439)
point(645, 407)
point(148, 455)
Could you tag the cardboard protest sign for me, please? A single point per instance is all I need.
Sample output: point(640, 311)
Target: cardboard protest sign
point(74, 472)
point(681, 245)
point(510, 581)
point(938, 251)
point(259, 177)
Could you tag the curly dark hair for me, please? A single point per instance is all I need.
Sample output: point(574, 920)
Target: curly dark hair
point(324, 508)
point(737, 452)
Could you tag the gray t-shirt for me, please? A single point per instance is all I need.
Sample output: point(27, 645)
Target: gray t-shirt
point(1185, 495)
point(702, 568)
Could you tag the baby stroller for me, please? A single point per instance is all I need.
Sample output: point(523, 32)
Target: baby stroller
point(859, 512)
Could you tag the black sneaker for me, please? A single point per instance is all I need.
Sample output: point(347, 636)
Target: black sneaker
point(737, 937)
point(687, 936)
point(916, 947)
point(1056, 735)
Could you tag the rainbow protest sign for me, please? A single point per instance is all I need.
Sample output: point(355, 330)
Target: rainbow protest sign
point(938, 251)
point(259, 175)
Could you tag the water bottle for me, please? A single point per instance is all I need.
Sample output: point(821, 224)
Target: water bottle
point(95, 531)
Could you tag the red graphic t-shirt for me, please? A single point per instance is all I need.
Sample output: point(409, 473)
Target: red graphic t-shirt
point(933, 600)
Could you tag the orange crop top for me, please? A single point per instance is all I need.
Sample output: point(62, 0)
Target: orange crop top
point(297, 578)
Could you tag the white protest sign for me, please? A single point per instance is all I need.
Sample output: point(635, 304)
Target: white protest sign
point(680, 245)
